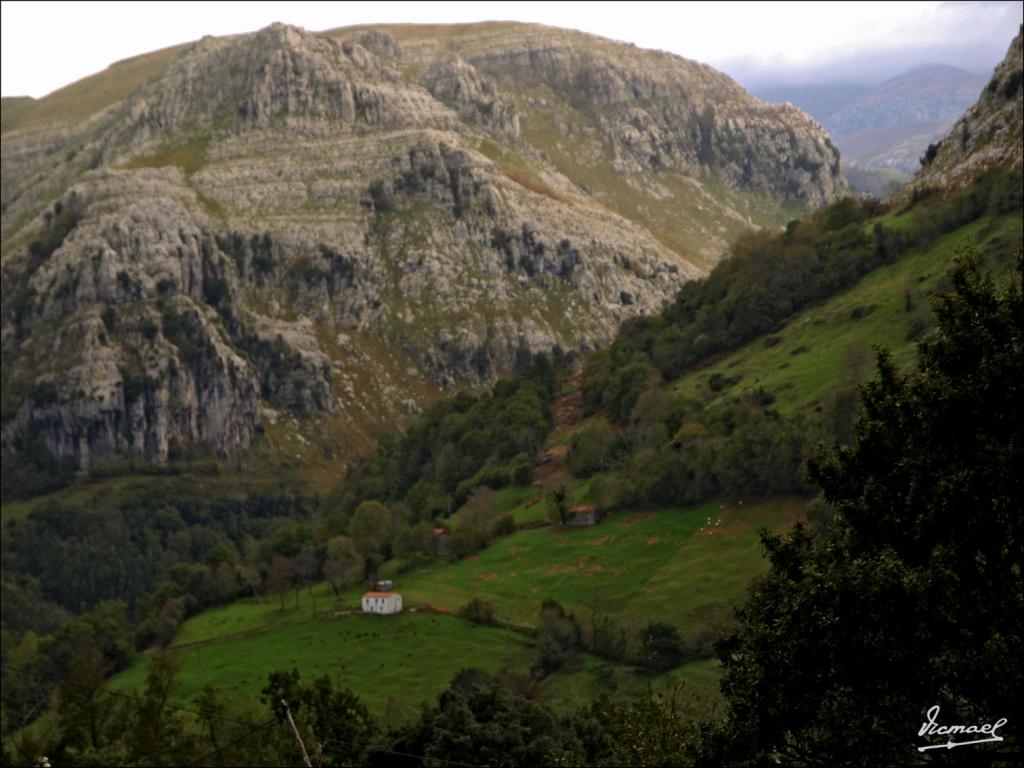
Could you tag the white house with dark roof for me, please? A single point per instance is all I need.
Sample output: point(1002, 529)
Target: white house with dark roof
point(382, 602)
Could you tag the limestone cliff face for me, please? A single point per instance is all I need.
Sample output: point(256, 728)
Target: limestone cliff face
point(329, 229)
point(477, 100)
point(657, 112)
point(280, 74)
point(990, 133)
point(111, 337)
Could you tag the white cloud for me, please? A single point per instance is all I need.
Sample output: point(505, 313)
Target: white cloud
point(48, 45)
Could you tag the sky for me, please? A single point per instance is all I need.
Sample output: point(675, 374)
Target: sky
point(46, 45)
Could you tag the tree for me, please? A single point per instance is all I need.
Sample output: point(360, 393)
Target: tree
point(307, 565)
point(558, 637)
point(660, 646)
point(414, 540)
point(607, 638)
point(915, 597)
point(592, 447)
point(280, 576)
point(478, 611)
point(476, 522)
point(342, 562)
point(156, 732)
point(333, 723)
point(168, 621)
point(654, 728)
point(211, 711)
point(560, 503)
point(426, 500)
point(478, 721)
point(370, 526)
point(84, 706)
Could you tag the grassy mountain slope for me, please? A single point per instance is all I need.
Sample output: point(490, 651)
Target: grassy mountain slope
point(669, 565)
point(834, 342)
point(84, 98)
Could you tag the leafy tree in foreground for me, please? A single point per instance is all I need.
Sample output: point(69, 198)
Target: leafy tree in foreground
point(654, 728)
point(478, 721)
point(334, 724)
point(916, 597)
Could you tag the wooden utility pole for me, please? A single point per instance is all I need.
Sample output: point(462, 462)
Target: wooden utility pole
point(298, 738)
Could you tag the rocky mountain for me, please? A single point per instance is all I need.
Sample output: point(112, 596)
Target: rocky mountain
point(883, 130)
point(990, 133)
point(294, 239)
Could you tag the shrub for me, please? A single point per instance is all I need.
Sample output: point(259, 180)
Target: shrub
point(592, 448)
point(764, 397)
point(719, 381)
point(521, 469)
point(505, 525)
point(109, 317)
point(215, 291)
point(30, 468)
point(610, 491)
point(660, 646)
point(478, 611)
point(1012, 85)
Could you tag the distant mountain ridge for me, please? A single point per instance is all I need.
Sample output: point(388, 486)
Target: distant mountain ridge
point(889, 126)
point(820, 101)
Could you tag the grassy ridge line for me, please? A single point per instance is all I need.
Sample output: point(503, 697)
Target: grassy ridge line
point(87, 96)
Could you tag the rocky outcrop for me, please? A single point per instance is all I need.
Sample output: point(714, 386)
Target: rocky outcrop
point(658, 111)
point(110, 383)
point(294, 372)
point(279, 74)
point(990, 133)
point(476, 99)
point(794, 158)
point(110, 343)
point(379, 43)
point(325, 231)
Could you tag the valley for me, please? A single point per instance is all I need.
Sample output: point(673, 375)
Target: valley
point(676, 451)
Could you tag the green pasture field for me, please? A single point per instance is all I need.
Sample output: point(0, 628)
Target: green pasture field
point(669, 565)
